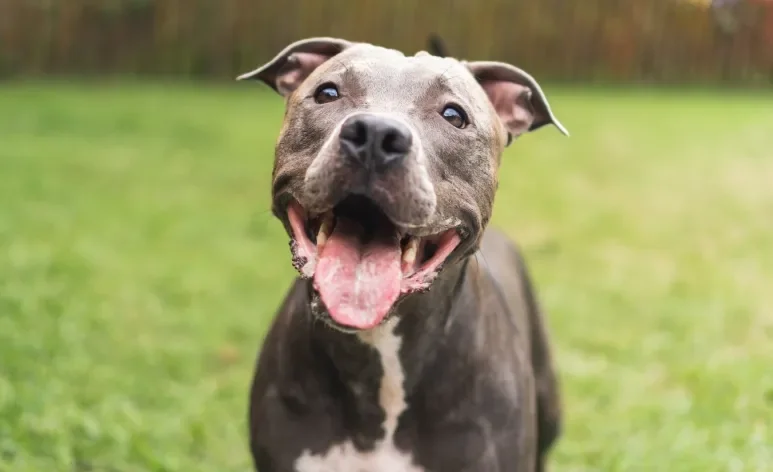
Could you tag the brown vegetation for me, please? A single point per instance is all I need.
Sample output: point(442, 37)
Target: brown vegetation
point(668, 41)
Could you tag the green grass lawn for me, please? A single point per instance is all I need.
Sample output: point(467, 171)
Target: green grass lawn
point(139, 269)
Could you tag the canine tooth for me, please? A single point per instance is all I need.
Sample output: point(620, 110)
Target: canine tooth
point(321, 239)
point(324, 230)
point(409, 253)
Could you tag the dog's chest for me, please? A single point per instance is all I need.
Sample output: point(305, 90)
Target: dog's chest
point(384, 457)
point(346, 458)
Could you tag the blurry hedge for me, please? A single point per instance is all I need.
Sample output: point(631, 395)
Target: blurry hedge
point(569, 40)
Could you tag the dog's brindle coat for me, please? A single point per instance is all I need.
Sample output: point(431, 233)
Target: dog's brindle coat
point(458, 376)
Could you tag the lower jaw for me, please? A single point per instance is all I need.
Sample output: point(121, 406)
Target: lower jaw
point(319, 313)
point(359, 277)
point(321, 316)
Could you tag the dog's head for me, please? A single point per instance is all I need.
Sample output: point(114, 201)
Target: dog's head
point(386, 165)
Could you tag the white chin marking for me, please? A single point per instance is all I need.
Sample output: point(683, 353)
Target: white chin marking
point(385, 457)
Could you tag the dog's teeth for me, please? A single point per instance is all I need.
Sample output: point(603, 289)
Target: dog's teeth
point(324, 230)
point(321, 239)
point(409, 253)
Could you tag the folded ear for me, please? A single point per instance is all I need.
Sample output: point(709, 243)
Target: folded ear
point(287, 71)
point(436, 46)
point(516, 96)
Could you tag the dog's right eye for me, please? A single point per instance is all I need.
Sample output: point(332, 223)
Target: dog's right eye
point(326, 93)
point(455, 115)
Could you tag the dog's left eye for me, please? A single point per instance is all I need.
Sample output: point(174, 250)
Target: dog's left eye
point(455, 116)
point(326, 93)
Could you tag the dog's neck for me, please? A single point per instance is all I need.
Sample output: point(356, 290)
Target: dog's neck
point(356, 359)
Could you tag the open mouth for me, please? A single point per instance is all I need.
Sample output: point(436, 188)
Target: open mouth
point(361, 262)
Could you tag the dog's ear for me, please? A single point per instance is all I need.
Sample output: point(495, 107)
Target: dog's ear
point(436, 46)
point(516, 96)
point(285, 72)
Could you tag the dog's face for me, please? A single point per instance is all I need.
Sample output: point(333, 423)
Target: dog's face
point(386, 166)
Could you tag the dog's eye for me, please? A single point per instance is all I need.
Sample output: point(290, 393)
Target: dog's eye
point(326, 93)
point(455, 115)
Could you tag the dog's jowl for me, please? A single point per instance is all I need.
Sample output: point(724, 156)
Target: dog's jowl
point(412, 339)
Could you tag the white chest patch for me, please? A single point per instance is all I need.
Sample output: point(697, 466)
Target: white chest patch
point(385, 457)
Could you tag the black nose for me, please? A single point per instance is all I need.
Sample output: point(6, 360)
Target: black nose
point(375, 141)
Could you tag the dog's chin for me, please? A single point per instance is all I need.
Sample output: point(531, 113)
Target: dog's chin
point(361, 263)
point(320, 314)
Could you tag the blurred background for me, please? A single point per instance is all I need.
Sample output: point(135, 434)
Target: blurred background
point(653, 41)
point(140, 266)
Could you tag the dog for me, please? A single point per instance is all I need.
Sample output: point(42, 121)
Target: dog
point(436, 46)
point(412, 340)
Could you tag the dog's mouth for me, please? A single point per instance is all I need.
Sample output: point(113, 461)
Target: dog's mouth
point(361, 262)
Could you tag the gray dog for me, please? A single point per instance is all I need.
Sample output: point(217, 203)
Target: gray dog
point(412, 340)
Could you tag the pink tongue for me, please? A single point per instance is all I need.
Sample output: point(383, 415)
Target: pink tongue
point(358, 280)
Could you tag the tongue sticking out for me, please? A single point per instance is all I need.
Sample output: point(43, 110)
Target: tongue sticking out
point(358, 275)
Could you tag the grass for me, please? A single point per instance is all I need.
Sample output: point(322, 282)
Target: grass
point(139, 269)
